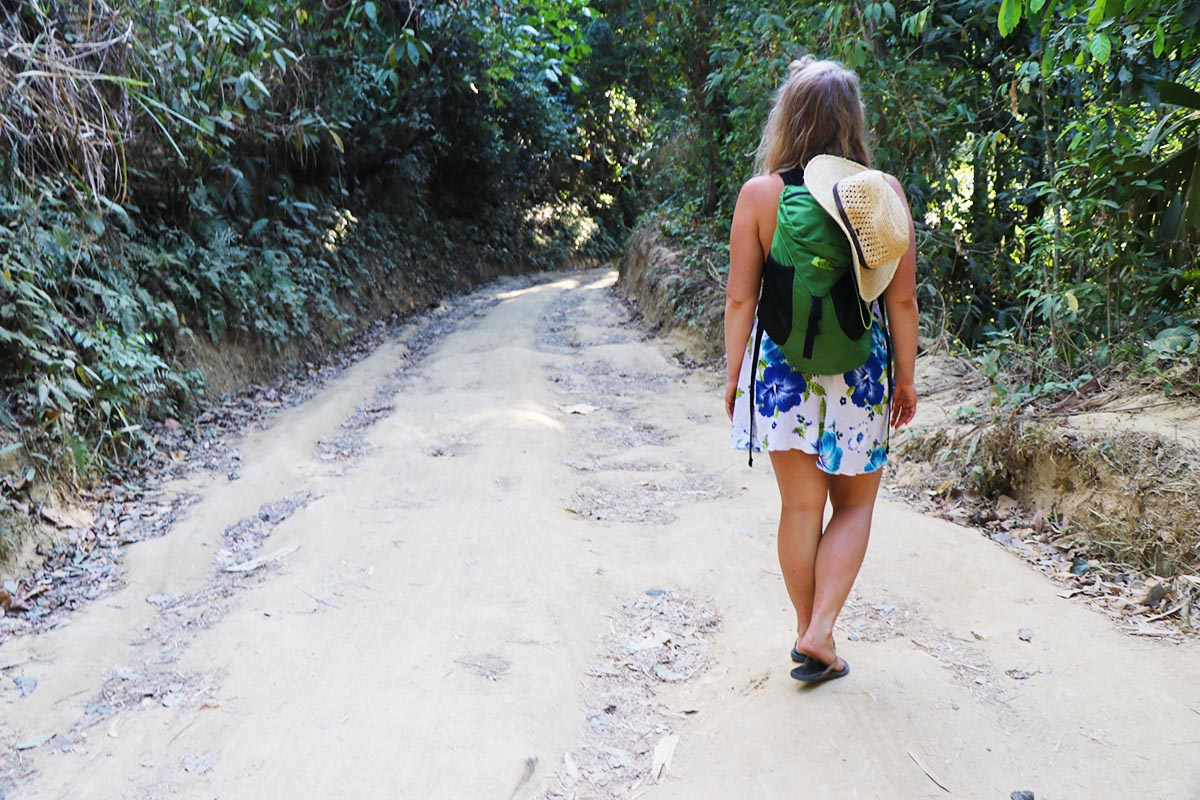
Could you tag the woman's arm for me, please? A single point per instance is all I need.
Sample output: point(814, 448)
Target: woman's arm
point(900, 299)
point(746, 256)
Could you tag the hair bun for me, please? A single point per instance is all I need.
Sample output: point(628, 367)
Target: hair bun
point(799, 64)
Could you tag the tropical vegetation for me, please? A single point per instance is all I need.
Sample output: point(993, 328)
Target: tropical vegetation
point(276, 172)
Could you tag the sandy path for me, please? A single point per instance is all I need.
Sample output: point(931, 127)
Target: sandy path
point(437, 632)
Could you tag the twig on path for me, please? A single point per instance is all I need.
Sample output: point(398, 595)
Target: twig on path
point(13, 662)
point(1129, 410)
point(255, 563)
point(926, 770)
point(358, 584)
point(181, 731)
point(1167, 613)
point(325, 602)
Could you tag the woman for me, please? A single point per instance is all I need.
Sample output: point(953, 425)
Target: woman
point(833, 440)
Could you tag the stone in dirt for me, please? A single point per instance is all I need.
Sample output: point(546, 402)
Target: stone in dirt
point(1152, 593)
point(25, 683)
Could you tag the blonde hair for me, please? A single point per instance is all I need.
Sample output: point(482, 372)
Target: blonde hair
point(817, 111)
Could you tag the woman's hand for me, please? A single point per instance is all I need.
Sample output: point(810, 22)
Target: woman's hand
point(730, 397)
point(904, 404)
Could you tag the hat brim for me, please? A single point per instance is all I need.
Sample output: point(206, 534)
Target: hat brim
point(820, 176)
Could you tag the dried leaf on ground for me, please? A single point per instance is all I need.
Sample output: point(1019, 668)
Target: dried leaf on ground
point(664, 751)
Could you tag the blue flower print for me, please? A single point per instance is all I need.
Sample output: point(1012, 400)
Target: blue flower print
point(866, 383)
point(878, 458)
point(830, 454)
point(771, 352)
point(779, 389)
point(878, 342)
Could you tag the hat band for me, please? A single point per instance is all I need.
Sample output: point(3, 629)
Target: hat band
point(837, 199)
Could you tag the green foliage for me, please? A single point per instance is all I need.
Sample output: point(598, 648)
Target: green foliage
point(76, 361)
point(180, 170)
point(1048, 149)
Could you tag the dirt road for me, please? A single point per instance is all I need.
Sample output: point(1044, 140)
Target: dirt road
point(540, 567)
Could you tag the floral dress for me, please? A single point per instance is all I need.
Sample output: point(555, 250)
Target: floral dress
point(841, 419)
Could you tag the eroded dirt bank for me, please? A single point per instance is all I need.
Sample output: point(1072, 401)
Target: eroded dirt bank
point(528, 565)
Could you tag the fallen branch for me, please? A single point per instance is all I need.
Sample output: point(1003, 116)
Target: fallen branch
point(1129, 410)
point(255, 563)
point(1167, 613)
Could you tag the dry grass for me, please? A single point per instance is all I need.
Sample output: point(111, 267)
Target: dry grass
point(63, 106)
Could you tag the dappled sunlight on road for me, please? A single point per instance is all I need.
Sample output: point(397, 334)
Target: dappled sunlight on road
point(567, 283)
point(524, 416)
point(606, 282)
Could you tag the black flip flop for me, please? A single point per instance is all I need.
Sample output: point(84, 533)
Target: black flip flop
point(817, 671)
point(800, 658)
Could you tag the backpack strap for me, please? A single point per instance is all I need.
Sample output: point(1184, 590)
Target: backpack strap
point(758, 334)
point(792, 177)
point(810, 333)
point(887, 343)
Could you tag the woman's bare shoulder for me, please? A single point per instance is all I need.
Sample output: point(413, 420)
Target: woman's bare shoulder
point(761, 189)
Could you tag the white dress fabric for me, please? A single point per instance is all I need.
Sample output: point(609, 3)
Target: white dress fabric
point(841, 419)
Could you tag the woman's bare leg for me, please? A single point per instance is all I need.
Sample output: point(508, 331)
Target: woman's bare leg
point(802, 490)
point(839, 556)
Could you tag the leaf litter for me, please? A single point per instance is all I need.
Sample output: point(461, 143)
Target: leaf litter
point(629, 740)
point(648, 502)
point(559, 332)
point(153, 679)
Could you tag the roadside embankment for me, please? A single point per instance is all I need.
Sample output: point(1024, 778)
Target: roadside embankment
point(676, 294)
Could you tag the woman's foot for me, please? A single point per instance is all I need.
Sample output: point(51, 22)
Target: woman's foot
point(820, 649)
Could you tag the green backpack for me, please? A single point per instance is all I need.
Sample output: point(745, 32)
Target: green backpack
point(810, 305)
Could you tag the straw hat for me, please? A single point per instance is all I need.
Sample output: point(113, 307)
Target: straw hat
point(869, 212)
